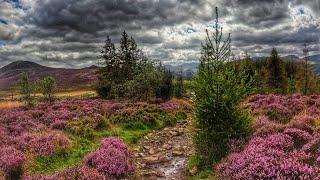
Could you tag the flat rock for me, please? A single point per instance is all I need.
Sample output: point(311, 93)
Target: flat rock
point(152, 151)
point(174, 133)
point(151, 160)
point(177, 153)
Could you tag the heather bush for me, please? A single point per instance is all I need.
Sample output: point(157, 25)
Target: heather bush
point(269, 157)
point(80, 129)
point(79, 173)
point(170, 106)
point(59, 124)
point(48, 144)
point(113, 159)
point(278, 150)
point(277, 112)
point(260, 122)
point(135, 113)
point(11, 161)
point(38, 132)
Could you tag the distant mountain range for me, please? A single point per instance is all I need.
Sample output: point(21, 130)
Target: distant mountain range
point(189, 69)
point(83, 78)
point(66, 78)
point(314, 61)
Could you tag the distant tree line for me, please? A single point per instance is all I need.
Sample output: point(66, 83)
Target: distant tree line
point(126, 72)
point(282, 76)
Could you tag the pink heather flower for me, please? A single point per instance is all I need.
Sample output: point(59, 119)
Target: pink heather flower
point(48, 144)
point(10, 159)
point(267, 158)
point(170, 106)
point(112, 158)
point(261, 121)
point(59, 124)
point(298, 135)
point(82, 173)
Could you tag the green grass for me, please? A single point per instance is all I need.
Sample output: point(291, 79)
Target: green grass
point(207, 173)
point(82, 144)
point(74, 156)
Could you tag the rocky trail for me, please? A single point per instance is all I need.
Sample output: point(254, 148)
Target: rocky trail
point(164, 154)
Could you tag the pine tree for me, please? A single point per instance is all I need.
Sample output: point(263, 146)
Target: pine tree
point(306, 70)
point(276, 73)
point(109, 60)
point(218, 89)
point(179, 87)
point(127, 73)
point(248, 67)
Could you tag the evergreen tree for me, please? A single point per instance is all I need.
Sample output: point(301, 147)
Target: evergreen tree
point(109, 73)
point(276, 73)
point(248, 67)
point(165, 88)
point(179, 87)
point(218, 90)
point(306, 71)
point(127, 73)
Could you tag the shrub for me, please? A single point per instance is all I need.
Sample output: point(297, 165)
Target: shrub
point(269, 157)
point(26, 88)
point(82, 173)
point(48, 144)
point(11, 161)
point(113, 158)
point(47, 86)
point(79, 128)
point(278, 150)
point(277, 112)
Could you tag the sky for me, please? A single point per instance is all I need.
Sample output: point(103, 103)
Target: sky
point(70, 33)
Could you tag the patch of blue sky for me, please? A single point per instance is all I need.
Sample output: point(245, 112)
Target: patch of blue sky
point(16, 3)
point(191, 30)
point(2, 43)
point(301, 11)
point(2, 21)
point(212, 25)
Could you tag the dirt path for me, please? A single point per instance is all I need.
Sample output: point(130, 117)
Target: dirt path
point(164, 154)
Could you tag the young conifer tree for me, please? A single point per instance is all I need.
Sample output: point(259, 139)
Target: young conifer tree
point(219, 88)
point(276, 73)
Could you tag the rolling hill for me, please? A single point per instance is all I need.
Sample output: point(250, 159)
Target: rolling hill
point(83, 78)
point(66, 78)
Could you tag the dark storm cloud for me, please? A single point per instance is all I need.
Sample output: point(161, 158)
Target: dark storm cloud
point(93, 16)
point(305, 35)
point(70, 33)
point(258, 14)
point(189, 44)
